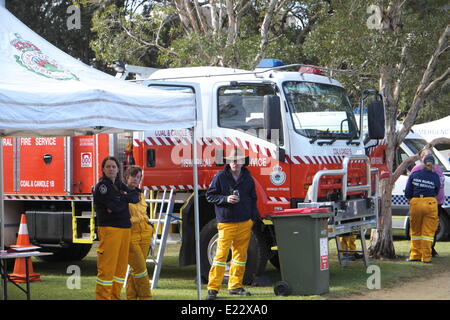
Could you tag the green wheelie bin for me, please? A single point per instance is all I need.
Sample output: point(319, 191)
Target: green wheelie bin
point(302, 240)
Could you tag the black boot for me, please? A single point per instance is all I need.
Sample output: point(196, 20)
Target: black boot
point(212, 295)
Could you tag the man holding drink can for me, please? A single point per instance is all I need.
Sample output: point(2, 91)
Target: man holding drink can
point(233, 193)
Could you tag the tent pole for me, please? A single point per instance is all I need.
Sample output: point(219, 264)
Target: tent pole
point(196, 213)
point(2, 204)
point(2, 211)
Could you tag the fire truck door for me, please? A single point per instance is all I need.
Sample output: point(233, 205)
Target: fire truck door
point(42, 165)
point(88, 153)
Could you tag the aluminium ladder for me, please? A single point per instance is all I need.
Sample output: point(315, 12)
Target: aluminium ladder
point(164, 218)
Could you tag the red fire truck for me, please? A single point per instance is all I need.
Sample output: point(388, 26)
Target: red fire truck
point(297, 128)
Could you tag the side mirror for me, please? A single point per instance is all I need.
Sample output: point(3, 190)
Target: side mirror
point(272, 115)
point(281, 155)
point(375, 119)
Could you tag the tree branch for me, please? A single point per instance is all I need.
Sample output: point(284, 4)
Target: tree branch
point(403, 166)
point(426, 86)
point(440, 140)
point(187, 7)
point(149, 44)
point(412, 159)
point(203, 23)
point(265, 31)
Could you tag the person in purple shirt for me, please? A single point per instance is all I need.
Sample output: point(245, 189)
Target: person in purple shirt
point(441, 195)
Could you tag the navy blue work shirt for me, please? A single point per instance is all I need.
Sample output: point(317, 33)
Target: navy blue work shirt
point(222, 186)
point(111, 203)
point(423, 183)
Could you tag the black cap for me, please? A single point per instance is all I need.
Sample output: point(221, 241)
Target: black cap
point(429, 158)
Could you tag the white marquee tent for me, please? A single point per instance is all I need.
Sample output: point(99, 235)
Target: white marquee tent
point(434, 129)
point(44, 91)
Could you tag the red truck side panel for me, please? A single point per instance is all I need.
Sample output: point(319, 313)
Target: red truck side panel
point(8, 164)
point(42, 162)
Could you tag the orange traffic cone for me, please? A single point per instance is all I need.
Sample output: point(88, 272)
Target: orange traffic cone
point(23, 241)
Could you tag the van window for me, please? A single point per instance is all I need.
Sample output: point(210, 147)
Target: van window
point(400, 156)
point(173, 88)
point(415, 145)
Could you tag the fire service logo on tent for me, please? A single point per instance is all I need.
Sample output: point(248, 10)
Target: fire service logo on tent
point(33, 59)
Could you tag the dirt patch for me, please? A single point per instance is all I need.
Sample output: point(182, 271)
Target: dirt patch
point(435, 287)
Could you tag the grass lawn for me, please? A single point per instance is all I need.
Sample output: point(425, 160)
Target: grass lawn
point(178, 283)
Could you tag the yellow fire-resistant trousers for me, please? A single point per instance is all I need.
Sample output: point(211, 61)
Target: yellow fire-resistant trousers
point(235, 236)
point(348, 243)
point(112, 262)
point(138, 284)
point(423, 224)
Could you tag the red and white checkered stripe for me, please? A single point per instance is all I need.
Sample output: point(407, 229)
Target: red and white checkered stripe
point(317, 160)
point(380, 143)
point(278, 199)
point(228, 141)
point(48, 198)
point(179, 187)
point(246, 145)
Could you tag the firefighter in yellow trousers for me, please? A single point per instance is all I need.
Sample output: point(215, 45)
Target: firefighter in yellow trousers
point(111, 199)
point(138, 285)
point(348, 243)
point(421, 190)
point(233, 194)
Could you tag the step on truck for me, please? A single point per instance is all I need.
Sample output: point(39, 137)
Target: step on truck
point(295, 124)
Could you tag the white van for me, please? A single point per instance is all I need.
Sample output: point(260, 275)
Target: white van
point(412, 144)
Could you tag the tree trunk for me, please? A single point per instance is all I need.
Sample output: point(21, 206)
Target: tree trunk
point(381, 243)
point(265, 32)
point(381, 240)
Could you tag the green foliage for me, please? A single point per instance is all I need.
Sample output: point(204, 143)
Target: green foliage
point(124, 36)
point(49, 18)
point(345, 41)
point(154, 36)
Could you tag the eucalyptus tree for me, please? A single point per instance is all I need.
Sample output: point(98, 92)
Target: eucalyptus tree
point(229, 33)
point(401, 46)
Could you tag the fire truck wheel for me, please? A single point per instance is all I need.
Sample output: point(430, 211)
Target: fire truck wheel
point(208, 245)
point(74, 252)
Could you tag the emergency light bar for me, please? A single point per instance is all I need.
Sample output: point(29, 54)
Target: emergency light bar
point(270, 63)
point(311, 70)
point(275, 64)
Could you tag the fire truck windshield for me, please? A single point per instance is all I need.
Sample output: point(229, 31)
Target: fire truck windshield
point(320, 110)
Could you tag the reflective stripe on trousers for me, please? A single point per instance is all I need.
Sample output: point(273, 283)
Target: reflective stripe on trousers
point(422, 227)
point(112, 262)
point(138, 283)
point(236, 236)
